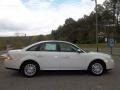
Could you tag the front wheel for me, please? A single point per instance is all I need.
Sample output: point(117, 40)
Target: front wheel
point(97, 68)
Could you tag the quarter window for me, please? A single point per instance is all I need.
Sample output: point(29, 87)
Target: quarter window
point(34, 48)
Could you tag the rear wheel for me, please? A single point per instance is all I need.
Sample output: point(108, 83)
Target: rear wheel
point(30, 69)
point(97, 68)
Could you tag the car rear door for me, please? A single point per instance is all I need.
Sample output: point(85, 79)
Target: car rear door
point(47, 55)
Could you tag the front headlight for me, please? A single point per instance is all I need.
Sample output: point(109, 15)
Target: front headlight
point(108, 59)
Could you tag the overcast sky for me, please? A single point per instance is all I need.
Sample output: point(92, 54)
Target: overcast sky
point(35, 17)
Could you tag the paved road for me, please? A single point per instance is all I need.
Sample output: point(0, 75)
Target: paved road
point(63, 80)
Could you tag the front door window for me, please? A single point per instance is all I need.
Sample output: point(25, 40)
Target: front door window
point(64, 47)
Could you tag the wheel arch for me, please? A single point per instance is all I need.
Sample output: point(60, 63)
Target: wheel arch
point(97, 60)
point(29, 60)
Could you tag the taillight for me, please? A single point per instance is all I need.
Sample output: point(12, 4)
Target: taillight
point(8, 57)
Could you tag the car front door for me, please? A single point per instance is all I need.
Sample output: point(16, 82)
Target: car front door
point(70, 59)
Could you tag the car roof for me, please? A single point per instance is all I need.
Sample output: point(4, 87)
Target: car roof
point(52, 41)
point(48, 41)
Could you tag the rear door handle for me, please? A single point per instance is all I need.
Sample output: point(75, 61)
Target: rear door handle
point(55, 56)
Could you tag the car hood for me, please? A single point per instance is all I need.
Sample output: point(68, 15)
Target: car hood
point(100, 54)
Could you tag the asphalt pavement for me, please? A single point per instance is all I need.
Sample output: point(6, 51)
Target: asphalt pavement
point(61, 80)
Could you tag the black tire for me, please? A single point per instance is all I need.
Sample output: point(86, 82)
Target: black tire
point(30, 68)
point(97, 68)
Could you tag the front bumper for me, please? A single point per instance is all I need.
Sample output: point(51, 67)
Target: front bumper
point(110, 64)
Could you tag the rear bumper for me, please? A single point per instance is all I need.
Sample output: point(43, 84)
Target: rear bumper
point(11, 64)
point(12, 69)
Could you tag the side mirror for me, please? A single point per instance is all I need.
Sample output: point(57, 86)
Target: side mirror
point(79, 51)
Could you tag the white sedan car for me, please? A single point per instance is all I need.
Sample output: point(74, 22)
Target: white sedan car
point(57, 55)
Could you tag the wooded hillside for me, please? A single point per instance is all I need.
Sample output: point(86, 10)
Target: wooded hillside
point(82, 31)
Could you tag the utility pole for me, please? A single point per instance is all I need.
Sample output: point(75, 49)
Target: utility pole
point(118, 15)
point(96, 25)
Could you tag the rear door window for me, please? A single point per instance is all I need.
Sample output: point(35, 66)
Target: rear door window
point(49, 47)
